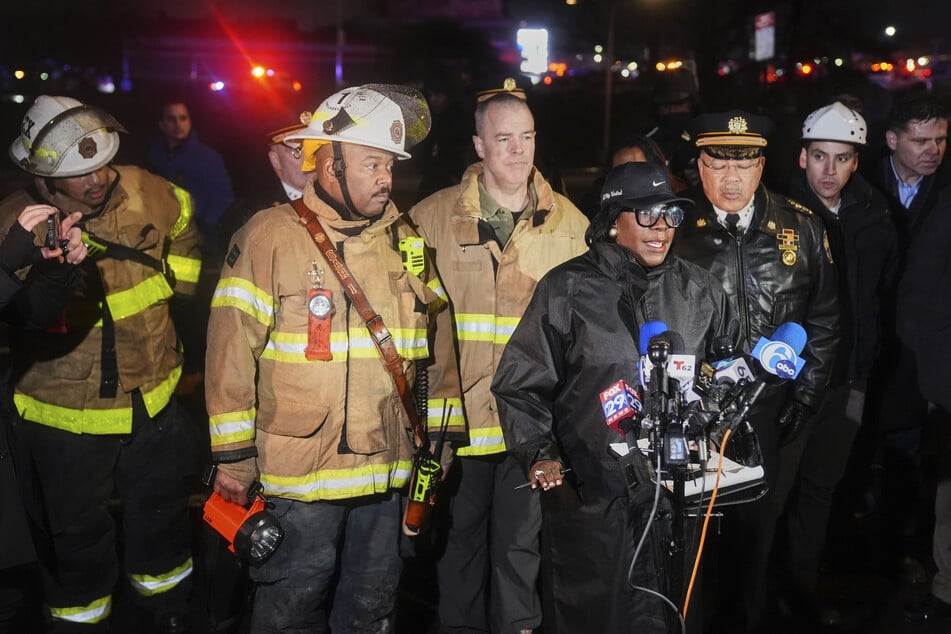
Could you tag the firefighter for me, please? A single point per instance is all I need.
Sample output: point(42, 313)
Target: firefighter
point(495, 235)
point(297, 393)
point(94, 395)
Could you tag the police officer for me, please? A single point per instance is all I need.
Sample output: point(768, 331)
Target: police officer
point(95, 394)
point(773, 259)
point(297, 393)
point(864, 246)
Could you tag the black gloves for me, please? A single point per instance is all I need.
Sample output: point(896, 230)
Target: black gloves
point(792, 421)
point(17, 250)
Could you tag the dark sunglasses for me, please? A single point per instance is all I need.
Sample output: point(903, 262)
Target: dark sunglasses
point(648, 217)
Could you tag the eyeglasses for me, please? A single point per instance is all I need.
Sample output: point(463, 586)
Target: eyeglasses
point(743, 167)
point(673, 215)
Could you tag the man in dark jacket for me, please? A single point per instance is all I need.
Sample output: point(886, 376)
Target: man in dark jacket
point(773, 259)
point(912, 175)
point(924, 325)
point(864, 247)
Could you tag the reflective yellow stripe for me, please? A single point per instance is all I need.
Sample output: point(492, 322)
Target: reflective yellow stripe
point(483, 442)
point(475, 327)
point(485, 327)
point(185, 203)
point(149, 585)
point(504, 327)
point(232, 427)
point(159, 396)
point(435, 285)
point(185, 269)
point(411, 343)
point(133, 301)
point(339, 484)
point(241, 294)
point(95, 612)
point(288, 347)
point(95, 421)
point(444, 412)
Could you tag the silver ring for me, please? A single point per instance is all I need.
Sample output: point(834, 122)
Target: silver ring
point(539, 473)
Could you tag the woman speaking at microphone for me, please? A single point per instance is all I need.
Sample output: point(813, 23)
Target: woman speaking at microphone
point(577, 337)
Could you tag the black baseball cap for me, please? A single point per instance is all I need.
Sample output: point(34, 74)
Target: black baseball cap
point(639, 186)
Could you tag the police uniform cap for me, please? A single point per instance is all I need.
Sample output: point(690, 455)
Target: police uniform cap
point(278, 135)
point(734, 134)
point(513, 84)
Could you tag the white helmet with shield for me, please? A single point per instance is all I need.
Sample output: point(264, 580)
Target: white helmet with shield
point(62, 137)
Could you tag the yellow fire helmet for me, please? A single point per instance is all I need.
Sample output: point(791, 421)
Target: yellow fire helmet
point(62, 137)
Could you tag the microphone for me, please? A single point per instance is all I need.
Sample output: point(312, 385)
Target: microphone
point(623, 410)
point(648, 331)
point(723, 347)
point(779, 355)
point(778, 358)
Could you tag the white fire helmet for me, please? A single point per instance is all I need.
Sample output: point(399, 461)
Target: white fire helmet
point(388, 117)
point(62, 137)
point(836, 122)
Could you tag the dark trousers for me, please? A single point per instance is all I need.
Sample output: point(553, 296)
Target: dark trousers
point(151, 471)
point(747, 535)
point(295, 589)
point(821, 453)
point(941, 585)
point(489, 571)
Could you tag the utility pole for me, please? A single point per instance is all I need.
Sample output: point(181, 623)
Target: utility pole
point(608, 78)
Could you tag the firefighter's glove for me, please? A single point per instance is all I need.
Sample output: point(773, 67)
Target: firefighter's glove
point(17, 250)
point(792, 421)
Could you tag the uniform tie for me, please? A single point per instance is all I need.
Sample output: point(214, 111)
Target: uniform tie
point(732, 224)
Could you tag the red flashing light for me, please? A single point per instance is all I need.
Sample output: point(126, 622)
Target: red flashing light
point(258, 71)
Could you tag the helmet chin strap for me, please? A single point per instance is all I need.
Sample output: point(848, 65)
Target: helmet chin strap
point(340, 168)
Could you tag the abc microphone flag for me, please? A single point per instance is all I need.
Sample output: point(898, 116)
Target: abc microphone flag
point(779, 355)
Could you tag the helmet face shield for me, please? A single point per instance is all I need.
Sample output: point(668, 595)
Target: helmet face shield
point(73, 142)
point(417, 118)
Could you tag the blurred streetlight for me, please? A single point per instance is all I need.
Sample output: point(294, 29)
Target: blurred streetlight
point(890, 31)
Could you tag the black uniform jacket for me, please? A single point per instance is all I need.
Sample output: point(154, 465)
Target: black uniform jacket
point(780, 269)
point(578, 336)
point(864, 245)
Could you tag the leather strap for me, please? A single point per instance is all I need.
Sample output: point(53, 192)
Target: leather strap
point(374, 323)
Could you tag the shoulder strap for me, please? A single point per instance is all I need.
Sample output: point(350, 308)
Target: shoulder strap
point(105, 248)
point(374, 322)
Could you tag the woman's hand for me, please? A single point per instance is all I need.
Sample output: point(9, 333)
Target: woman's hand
point(546, 474)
